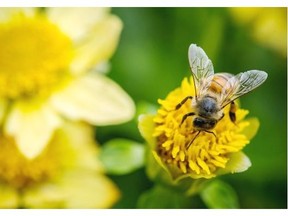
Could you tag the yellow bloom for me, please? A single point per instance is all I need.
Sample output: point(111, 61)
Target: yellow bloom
point(49, 68)
point(209, 155)
point(268, 25)
point(67, 174)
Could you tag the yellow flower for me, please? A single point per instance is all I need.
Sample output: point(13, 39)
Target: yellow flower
point(210, 154)
point(67, 174)
point(50, 61)
point(268, 25)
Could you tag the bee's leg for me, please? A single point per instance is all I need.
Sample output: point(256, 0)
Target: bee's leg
point(232, 112)
point(190, 143)
point(211, 132)
point(186, 116)
point(222, 116)
point(183, 102)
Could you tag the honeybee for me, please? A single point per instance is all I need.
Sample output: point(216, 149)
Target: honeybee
point(213, 92)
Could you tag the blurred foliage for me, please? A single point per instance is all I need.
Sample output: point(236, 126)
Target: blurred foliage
point(218, 194)
point(121, 156)
point(151, 60)
point(165, 198)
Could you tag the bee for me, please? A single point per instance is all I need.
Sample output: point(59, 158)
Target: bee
point(213, 92)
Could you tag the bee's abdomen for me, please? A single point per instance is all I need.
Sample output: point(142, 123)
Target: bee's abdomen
point(218, 82)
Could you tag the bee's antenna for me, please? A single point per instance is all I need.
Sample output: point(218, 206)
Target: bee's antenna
point(190, 143)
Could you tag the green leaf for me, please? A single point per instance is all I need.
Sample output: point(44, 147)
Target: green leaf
point(144, 107)
point(219, 194)
point(160, 197)
point(122, 156)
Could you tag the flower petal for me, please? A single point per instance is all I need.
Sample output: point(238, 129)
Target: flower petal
point(95, 99)
point(98, 47)
point(7, 13)
point(32, 127)
point(75, 189)
point(76, 22)
point(81, 138)
point(89, 190)
point(146, 127)
point(9, 197)
point(46, 195)
point(238, 162)
point(252, 129)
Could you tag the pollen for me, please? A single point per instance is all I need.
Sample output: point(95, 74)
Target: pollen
point(208, 152)
point(34, 56)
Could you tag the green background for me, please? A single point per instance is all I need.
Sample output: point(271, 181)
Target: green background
point(151, 60)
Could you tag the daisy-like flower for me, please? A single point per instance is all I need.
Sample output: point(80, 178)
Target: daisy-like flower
point(49, 69)
point(67, 174)
point(184, 149)
point(209, 155)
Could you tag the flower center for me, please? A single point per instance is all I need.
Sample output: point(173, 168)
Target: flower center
point(19, 172)
point(34, 56)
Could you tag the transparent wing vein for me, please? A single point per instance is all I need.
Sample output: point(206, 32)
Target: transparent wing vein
point(241, 84)
point(201, 68)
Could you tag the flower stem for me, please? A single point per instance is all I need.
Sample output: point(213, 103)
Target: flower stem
point(196, 186)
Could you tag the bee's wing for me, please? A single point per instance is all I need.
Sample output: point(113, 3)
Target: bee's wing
point(241, 84)
point(201, 68)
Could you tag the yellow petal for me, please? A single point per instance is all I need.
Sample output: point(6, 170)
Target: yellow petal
point(89, 190)
point(9, 197)
point(95, 99)
point(81, 138)
point(203, 165)
point(252, 129)
point(77, 22)
point(45, 195)
point(75, 189)
point(7, 13)
point(32, 127)
point(99, 46)
point(146, 127)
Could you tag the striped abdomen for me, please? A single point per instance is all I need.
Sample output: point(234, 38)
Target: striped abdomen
point(218, 82)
